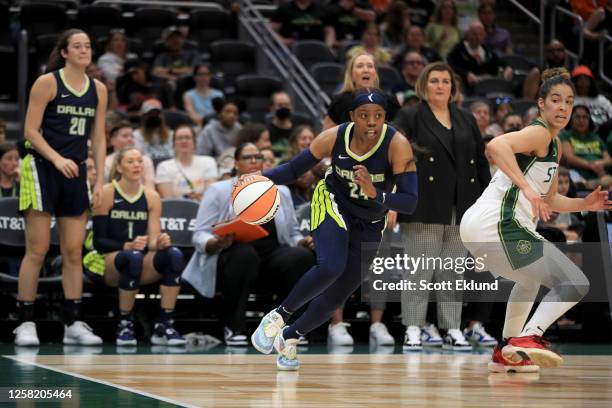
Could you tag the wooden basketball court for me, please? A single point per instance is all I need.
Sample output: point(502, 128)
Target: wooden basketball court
point(224, 379)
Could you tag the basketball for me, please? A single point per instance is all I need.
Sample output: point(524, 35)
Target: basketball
point(255, 199)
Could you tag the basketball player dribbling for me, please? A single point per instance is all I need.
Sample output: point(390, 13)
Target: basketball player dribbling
point(348, 209)
point(66, 108)
point(500, 228)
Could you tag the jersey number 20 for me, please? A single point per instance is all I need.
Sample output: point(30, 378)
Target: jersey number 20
point(77, 126)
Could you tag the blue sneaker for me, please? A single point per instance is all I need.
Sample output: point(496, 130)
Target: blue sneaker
point(164, 334)
point(478, 336)
point(269, 327)
point(125, 333)
point(287, 353)
point(430, 336)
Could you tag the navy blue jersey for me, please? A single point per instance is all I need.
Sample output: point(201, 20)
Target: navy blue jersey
point(128, 218)
point(339, 177)
point(69, 118)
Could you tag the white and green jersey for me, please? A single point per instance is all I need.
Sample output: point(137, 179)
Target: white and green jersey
point(503, 213)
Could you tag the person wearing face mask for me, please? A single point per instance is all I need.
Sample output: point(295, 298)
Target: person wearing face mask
point(221, 132)
point(153, 138)
point(512, 122)
point(281, 125)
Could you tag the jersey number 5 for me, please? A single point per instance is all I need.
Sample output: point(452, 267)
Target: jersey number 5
point(77, 126)
point(551, 173)
point(356, 191)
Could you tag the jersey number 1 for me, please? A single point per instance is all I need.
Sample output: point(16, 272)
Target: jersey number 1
point(77, 126)
point(130, 230)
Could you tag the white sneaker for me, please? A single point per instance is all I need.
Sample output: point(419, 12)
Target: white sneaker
point(287, 353)
point(80, 333)
point(25, 334)
point(478, 336)
point(454, 340)
point(380, 336)
point(337, 335)
point(412, 339)
point(430, 336)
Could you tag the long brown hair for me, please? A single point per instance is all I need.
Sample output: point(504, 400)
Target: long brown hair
point(56, 60)
point(437, 16)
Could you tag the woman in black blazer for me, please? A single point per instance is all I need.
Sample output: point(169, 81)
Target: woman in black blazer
point(453, 172)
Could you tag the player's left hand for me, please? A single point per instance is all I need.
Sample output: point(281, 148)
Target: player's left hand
point(96, 195)
point(598, 200)
point(362, 177)
point(163, 241)
point(391, 220)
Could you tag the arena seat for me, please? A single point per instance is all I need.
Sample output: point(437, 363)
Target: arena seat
point(175, 119)
point(256, 90)
point(328, 75)
point(98, 20)
point(43, 18)
point(310, 52)
point(389, 77)
point(208, 26)
point(232, 58)
point(492, 87)
point(150, 22)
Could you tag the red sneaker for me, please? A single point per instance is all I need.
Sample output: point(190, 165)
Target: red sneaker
point(499, 364)
point(533, 348)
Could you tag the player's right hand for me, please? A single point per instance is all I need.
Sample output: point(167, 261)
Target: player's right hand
point(140, 242)
point(539, 208)
point(67, 167)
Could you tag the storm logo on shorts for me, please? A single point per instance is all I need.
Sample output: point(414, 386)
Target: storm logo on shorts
point(523, 247)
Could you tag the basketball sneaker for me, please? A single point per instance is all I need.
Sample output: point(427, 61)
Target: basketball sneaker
point(380, 336)
point(533, 348)
point(80, 333)
point(499, 364)
point(430, 336)
point(269, 327)
point(125, 333)
point(164, 334)
point(25, 334)
point(412, 339)
point(287, 353)
point(478, 336)
point(233, 338)
point(455, 341)
point(338, 335)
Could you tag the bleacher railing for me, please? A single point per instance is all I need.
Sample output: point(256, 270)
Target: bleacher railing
point(293, 73)
point(605, 42)
point(539, 21)
point(575, 55)
point(22, 78)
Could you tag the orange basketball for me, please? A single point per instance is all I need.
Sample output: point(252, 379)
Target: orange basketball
point(255, 199)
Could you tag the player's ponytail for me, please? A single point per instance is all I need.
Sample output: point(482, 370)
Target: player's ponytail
point(56, 60)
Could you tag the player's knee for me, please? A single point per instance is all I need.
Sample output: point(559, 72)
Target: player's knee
point(129, 265)
point(170, 263)
point(37, 254)
point(72, 256)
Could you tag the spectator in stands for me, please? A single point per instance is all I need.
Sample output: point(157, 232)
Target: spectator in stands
point(255, 133)
point(2, 131)
point(586, 8)
point(360, 72)
point(473, 60)
point(198, 101)
point(116, 53)
point(396, 20)
point(9, 170)
point(269, 159)
point(221, 265)
point(175, 61)
point(482, 114)
point(412, 67)
point(512, 122)
point(503, 106)
point(132, 252)
point(220, 132)
point(555, 56)
point(349, 18)
point(442, 32)
point(187, 175)
point(300, 139)
point(497, 39)
point(153, 138)
point(371, 42)
point(414, 40)
point(584, 151)
point(96, 73)
point(601, 19)
point(298, 20)
point(281, 125)
point(420, 11)
point(122, 136)
point(136, 86)
point(531, 114)
point(588, 95)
